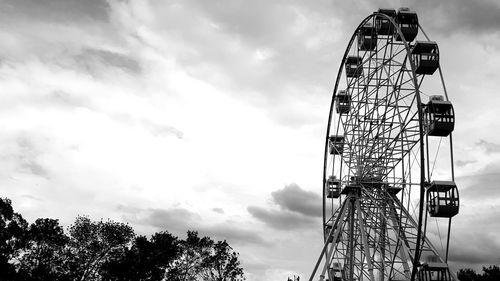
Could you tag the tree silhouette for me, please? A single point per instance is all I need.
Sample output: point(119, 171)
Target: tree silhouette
point(107, 250)
point(145, 260)
point(93, 243)
point(467, 274)
point(189, 263)
point(13, 229)
point(204, 259)
point(222, 264)
point(490, 273)
point(42, 258)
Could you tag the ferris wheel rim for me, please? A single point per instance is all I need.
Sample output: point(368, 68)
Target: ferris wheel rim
point(420, 123)
point(339, 75)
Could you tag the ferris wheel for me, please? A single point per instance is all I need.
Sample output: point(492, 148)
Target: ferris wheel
point(389, 193)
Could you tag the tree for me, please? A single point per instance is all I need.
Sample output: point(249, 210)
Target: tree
point(108, 250)
point(166, 249)
point(13, 230)
point(467, 274)
point(203, 259)
point(42, 258)
point(188, 265)
point(145, 260)
point(92, 244)
point(222, 264)
point(491, 273)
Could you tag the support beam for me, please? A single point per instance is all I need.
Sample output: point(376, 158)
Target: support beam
point(403, 250)
point(365, 241)
point(351, 239)
point(323, 251)
point(329, 254)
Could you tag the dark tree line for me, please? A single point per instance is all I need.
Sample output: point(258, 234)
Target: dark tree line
point(490, 273)
point(107, 250)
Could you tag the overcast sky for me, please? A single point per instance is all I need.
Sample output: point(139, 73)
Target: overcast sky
point(211, 115)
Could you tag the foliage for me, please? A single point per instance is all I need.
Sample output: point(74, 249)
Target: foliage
point(145, 260)
point(467, 274)
point(42, 257)
point(190, 261)
point(13, 230)
point(204, 259)
point(92, 244)
point(107, 250)
point(490, 273)
point(222, 264)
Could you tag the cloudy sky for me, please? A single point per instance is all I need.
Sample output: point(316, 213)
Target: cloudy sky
point(211, 115)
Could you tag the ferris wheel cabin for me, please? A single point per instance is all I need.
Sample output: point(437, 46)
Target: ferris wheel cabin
point(384, 25)
point(426, 57)
point(332, 187)
point(442, 199)
point(336, 271)
point(407, 21)
point(440, 117)
point(354, 66)
point(434, 270)
point(367, 38)
point(343, 102)
point(336, 143)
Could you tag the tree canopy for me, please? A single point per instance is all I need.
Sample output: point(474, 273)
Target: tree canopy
point(490, 273)
point(107, 250)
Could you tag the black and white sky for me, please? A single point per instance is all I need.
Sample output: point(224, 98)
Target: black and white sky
point(211, 115)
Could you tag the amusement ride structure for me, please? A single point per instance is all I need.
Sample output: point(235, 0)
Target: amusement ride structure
point(388, 182)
